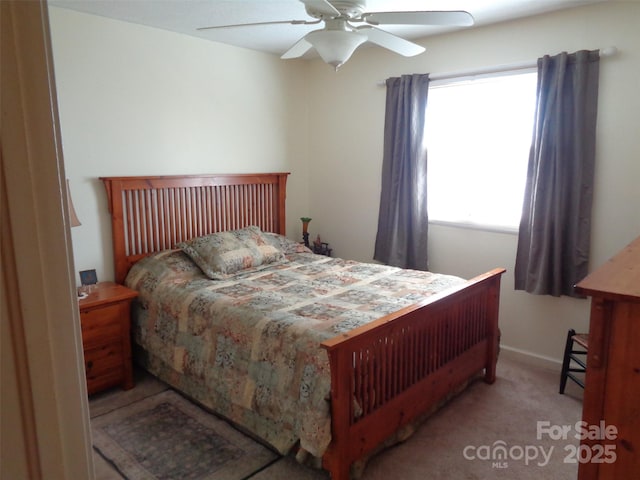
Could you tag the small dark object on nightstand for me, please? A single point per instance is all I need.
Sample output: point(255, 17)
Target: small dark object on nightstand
point(322, 248)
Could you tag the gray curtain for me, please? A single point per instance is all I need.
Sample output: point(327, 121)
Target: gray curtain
point(401, 240)
point(555, 228)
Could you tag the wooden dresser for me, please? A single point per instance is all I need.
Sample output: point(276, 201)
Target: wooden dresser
point(612, 386)
point(105, 318)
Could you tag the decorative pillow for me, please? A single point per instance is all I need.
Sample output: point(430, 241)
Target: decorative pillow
point(222, 254)
point(287, 246)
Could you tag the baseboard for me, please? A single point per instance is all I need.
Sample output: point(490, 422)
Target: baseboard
point(531, 358)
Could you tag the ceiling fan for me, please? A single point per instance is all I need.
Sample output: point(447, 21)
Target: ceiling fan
point(341, 35)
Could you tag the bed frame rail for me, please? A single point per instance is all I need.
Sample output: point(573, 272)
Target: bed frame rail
point(388, 373)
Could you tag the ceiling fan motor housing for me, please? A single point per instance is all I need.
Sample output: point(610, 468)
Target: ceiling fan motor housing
point(347, 9)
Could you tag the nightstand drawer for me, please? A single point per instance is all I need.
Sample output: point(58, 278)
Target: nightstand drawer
point(93, 317)
point(109, 379)
point(103, 324)
point(104, 366)
point(102, 359)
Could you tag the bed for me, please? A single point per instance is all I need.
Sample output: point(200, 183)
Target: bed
point(378, 375)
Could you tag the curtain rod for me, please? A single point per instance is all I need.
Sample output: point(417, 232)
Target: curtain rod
point(604, 52)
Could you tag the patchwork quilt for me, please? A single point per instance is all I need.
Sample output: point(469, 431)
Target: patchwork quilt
point(248, 347)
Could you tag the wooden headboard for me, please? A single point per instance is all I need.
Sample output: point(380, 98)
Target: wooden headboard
point(151, 214)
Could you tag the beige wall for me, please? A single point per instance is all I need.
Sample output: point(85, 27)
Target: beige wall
point(142, 101)
point(137, 100)
point(345, 145)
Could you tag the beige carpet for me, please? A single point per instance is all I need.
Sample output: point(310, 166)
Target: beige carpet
point(459, 442)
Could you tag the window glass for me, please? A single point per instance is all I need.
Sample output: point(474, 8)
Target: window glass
point(478, 136)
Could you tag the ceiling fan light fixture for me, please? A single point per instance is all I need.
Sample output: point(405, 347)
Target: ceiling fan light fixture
point(335, 47)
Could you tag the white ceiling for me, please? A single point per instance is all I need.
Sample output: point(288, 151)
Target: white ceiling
point(185, 16)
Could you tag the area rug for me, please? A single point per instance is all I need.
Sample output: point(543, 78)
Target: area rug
point(166, 437)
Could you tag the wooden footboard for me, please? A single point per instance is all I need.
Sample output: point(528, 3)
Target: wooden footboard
point(387, 373)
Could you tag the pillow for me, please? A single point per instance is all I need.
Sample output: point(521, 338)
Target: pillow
point(287, 246)
point(220, 255)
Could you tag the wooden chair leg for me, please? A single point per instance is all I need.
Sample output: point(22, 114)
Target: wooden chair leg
point(566, 360)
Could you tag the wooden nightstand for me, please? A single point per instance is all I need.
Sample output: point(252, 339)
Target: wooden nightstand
point(105, 319)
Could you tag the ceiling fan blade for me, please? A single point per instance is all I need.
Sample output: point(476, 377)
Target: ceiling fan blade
point(301, 47)
point(322, 6)
point(391, 42)
point(279, 22)
point(453, 18)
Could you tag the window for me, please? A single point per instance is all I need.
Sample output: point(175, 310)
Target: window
point(478, 136)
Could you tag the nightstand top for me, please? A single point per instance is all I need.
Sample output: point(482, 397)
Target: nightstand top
point(105, 293)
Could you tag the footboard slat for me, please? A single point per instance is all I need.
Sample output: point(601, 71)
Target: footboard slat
point(389, 372)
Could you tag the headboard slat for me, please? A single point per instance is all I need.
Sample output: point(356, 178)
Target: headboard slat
point(151, 214)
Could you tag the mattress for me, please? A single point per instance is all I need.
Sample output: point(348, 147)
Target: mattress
point(248, 347)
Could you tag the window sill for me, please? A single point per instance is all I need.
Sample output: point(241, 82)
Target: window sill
point(476, 226)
